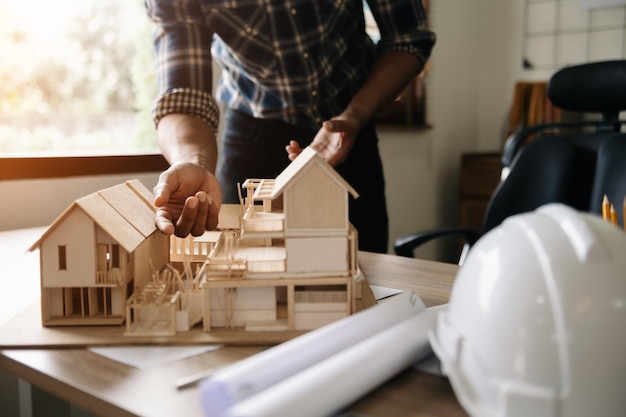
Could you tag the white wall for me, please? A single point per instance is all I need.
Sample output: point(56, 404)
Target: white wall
point(475, 64)
point(422, 168)
point(31, 203)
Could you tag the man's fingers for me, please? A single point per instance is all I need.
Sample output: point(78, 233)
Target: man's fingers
point(336, 125)
point(163, 221)
point(293, 150)
point(161, 194)
point(187, 217)
point(331, 125)
point(213, 216)
point(199, 226)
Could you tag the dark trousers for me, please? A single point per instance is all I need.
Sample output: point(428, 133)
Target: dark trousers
point(255, 148)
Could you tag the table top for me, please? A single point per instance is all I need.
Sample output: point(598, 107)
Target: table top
point(106, 387)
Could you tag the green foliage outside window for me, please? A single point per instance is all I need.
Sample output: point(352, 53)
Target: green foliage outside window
point(75, 75)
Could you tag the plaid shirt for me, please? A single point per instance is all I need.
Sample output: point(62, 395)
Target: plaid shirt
point(298, 61)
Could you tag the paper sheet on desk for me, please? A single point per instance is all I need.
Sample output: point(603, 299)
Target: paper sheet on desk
point(20, 273)
point(381, 293)
point(143, 357)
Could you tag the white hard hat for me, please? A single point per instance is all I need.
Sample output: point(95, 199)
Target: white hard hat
point(536, 324)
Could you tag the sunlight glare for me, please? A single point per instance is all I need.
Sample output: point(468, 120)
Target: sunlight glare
point(39, 25)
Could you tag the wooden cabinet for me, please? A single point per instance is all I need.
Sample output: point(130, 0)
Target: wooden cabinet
point(480, 175)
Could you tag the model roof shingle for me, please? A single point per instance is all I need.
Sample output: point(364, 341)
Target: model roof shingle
point(125, 211)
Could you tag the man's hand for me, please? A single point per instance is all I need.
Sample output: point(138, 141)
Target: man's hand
point(334, 140)
point(391, 73)
point(188, 200)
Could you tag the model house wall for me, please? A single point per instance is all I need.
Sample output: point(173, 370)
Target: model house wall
point(315, 196)
point(96, 252)
point(317, 228)
point(296, 242)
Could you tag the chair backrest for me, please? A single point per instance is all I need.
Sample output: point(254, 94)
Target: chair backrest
point(574, 167)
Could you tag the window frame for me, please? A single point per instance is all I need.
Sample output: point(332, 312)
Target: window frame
point(53, 166)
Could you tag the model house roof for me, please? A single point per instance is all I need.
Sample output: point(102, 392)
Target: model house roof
point(124, 211)
point(299, 166)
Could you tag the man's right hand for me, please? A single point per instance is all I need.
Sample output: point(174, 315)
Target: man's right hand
point(188, 200)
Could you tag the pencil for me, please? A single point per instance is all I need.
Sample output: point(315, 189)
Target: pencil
point(613, 215)
point(606, 208)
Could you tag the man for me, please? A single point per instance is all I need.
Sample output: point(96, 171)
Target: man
point(294, 73)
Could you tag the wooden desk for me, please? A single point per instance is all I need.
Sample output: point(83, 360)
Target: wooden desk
point(108, 388)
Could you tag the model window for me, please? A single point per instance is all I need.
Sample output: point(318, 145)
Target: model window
point(62, 258)
point(115, 256)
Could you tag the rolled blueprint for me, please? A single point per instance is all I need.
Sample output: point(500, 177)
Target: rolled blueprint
point(252, 375)
point(326, 388)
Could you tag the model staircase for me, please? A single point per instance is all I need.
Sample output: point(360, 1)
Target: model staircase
point(153, 293)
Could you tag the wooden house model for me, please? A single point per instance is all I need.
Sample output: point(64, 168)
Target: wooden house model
point(294, 243)
point(284, 259)
point(94, 254)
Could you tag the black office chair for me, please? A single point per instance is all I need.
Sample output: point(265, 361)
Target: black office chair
point(574, 163)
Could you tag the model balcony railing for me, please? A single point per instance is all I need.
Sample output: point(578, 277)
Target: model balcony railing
point(111, 277)
point(220, 268)
point(263, 222)
point(269, 266)
point(189, 248)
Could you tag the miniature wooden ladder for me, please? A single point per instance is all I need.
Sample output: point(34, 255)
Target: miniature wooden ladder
point(153, 293)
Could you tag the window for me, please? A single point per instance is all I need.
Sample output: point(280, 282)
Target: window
point(115, 256)
point(62, 251)
point(559, 33)
point(75, 75)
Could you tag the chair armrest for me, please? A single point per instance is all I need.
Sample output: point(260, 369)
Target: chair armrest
point(404, 246)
